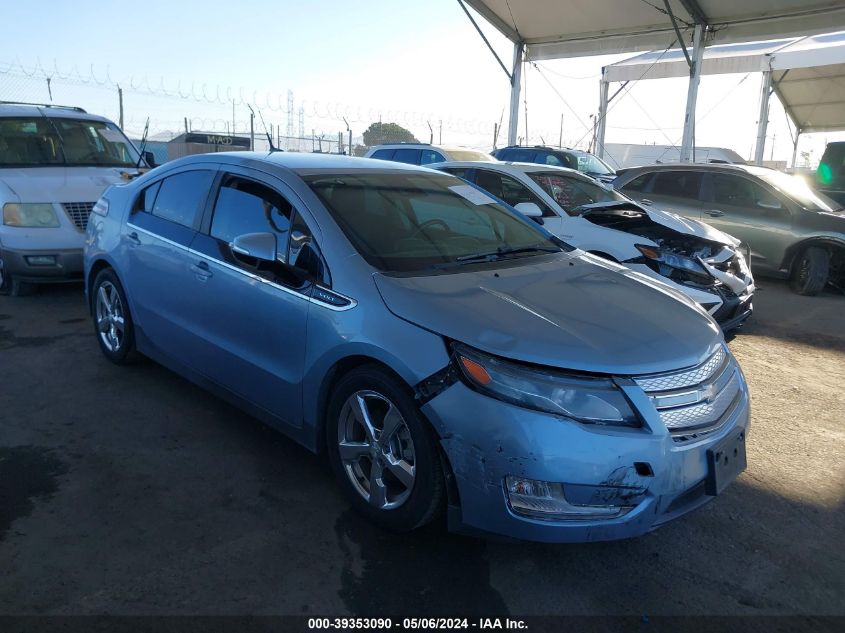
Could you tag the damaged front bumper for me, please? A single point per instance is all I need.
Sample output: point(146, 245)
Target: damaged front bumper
point(648, 472)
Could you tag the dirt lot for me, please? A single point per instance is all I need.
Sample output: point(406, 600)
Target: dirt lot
point(129, 491)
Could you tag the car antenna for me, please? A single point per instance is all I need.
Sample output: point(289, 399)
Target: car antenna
point(143, 143)
point(273, 148)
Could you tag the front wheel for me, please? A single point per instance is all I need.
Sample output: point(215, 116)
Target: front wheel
point(810, 271)
point(112, 320)
point(382, 450)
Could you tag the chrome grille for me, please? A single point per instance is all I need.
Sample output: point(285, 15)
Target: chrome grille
point(697, 400)
point(78, 212)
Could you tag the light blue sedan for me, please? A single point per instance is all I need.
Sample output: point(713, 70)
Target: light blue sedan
point(447, 354)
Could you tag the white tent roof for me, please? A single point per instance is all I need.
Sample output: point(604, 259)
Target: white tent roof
point(558, 28)
point(808, 73)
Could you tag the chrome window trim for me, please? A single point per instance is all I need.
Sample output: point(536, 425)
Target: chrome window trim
point(352, 302)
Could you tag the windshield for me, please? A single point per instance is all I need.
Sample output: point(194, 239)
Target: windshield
point(798, 189)
point(572, 193)
point(469, 154)
point(410, 222)
point(49, 142)
point(593, 165)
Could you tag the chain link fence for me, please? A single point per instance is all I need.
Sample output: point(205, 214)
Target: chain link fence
point(183, 119)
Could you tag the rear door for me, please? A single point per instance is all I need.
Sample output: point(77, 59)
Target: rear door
point(254, 313)
point(751, 212)
point(158, 235)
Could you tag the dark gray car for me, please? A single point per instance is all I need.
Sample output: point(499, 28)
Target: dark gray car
point(789, 229)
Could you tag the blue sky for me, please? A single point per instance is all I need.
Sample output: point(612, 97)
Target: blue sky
point(410, 61)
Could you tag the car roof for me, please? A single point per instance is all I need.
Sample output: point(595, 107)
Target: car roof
point(301, 162)
point(753, 170)
point(543, 148)
point(512, 167)
point(9, 110)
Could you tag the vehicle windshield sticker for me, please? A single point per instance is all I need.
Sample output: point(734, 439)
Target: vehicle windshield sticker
point(472, 194)
point(113, 136)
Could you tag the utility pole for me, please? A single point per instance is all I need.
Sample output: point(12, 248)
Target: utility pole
point(440, 139)
point(560, 139)
point(251, 131)
point(120, 102)
point(430, 133)
point(233, 117)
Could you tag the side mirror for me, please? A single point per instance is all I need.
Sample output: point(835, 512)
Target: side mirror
point(150, 159)
point(261, 246)
point(529, 209)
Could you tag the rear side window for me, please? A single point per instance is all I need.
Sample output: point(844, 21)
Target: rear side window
point(245, 206)
point(430, 156)
point(679, 184)
point(181, 197)
point(518, 155)
point(637, 184)
point(509, 189)
point(411, 156)
point(383, 154)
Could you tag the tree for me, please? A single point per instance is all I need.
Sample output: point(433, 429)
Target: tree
point(380, 133)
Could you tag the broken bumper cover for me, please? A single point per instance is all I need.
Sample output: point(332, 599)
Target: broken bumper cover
point(488, 441)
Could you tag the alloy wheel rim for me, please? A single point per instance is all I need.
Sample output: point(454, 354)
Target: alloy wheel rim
point(110, 316)
point(376, 450)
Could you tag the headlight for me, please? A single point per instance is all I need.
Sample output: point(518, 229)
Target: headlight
point(581, 398)
point(671, 259)
point(33, 215)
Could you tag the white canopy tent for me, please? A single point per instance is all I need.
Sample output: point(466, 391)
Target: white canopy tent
point(807, 74)
point(552, 29)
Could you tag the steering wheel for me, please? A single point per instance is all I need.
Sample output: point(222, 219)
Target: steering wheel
point(422, 227)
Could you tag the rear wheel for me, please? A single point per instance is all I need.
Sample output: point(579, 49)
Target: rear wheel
point(382, 450)
point(810, 271)
point(112, 320)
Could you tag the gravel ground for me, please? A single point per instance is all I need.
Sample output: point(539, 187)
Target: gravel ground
point(130, 491)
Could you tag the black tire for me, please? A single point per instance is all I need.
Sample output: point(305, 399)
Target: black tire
point(124, 353)
point(427, 495)
point(11, 287)
point(810, 271)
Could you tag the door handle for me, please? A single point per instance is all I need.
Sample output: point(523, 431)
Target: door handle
point(646, 202)
point(133, 237)
point(715, 213)
point(201, 270)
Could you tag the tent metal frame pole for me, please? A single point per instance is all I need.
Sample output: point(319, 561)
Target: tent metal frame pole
point(795, 147)
point(516, 87)
point(604, 86)
point(692, 93)
point(763, 118)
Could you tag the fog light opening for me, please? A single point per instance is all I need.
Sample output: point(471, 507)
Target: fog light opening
point(41, 260)
point(546, 500)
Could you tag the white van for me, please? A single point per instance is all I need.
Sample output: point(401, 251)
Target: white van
point(55, 163)
point(624, 155)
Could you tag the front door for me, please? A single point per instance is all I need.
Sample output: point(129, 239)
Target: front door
point(752, 213)
point(252, 315)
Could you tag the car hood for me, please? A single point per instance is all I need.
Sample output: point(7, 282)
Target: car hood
point(60, 184)
point(690, 226)
point(568, 311)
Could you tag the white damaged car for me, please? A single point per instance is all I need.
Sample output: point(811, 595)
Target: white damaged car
point(707, 265)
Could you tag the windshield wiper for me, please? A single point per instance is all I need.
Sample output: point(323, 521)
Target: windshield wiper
point(500, 253)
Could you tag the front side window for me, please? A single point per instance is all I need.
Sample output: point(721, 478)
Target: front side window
point(572, 193)
point(414, 221)
point(46, 142)
point(678, 184)
point(518, 155)
point(741, 192)
point(509, 189)
point(245, 206)
point(181, 197)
